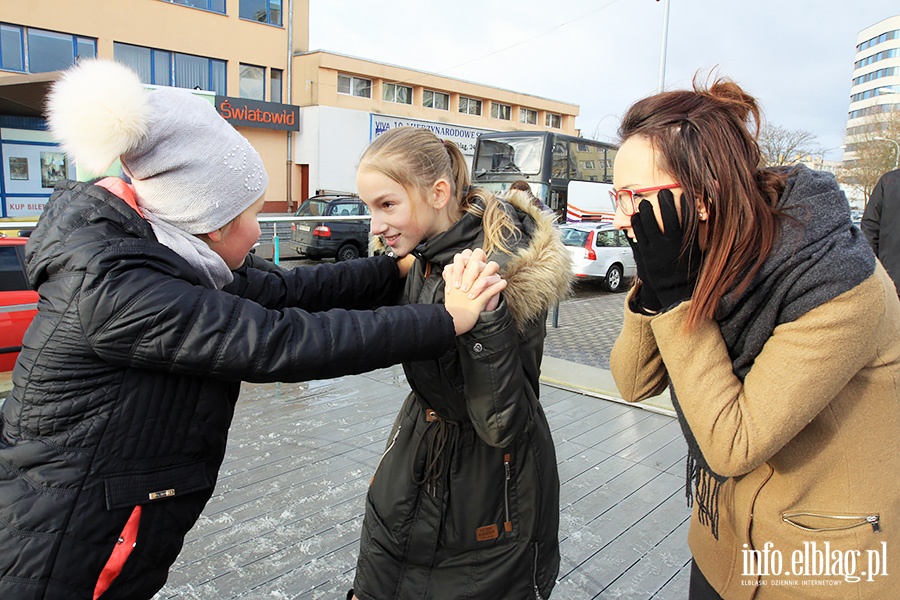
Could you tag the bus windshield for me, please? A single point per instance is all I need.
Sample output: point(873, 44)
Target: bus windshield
point(519, 154)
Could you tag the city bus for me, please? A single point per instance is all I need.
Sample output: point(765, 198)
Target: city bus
point(571, 175)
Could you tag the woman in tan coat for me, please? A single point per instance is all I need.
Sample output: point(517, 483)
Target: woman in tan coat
point(778, 333)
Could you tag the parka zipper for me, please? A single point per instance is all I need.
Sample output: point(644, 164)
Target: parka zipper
point(537, 590)
point(857, 521)
point(507, 459)
point(388, 449)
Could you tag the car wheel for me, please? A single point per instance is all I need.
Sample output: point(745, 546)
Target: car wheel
point(347, 252)
point(614, 280)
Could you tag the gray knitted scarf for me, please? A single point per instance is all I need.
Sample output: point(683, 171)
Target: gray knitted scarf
point(818, 256)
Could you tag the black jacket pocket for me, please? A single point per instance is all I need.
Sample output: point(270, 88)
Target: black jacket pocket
point(142, 487)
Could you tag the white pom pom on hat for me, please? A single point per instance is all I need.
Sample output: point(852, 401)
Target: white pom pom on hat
point(98, 110)
point(189, 166)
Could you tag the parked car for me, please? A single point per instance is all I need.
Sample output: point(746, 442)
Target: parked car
point(601, 252)
point(341, 240)
point(18, 303)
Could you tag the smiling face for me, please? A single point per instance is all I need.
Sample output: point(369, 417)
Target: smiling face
point(400, 215)
point(636, 169)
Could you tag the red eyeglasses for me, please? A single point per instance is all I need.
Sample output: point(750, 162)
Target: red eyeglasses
point(624, 199)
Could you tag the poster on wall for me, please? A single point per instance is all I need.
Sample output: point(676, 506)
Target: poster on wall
point(53, 168)
point(18, 167)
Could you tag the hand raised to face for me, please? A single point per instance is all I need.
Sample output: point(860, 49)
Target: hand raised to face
point(670, 266)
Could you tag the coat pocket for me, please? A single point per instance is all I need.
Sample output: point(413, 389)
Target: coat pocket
point(482, 501)
point(141, 487)
point(812, 521)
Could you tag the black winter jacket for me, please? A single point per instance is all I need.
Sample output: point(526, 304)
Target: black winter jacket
point(881, 223)
point(465, 500)
point(127, 381)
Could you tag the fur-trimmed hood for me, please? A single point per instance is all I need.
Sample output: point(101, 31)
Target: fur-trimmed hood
point(539, 274)
point(538, 270)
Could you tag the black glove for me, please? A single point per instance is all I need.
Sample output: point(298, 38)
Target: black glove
point(644, 297)
point(671, 275)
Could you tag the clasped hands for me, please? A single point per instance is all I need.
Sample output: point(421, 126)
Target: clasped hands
point(667, 271)
point(472, 284)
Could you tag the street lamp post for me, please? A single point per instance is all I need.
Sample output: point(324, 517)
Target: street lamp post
point(896, 156)
point(662, 55)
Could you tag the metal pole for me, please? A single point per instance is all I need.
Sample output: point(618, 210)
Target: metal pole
point(662, 55)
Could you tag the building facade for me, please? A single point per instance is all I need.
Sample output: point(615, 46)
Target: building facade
point(875, 87)
point(309, 114)
point(347, 102)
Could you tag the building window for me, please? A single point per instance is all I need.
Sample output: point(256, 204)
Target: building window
point(264, 11)
point(438, 100)
point(38, 51)
point(526, 115)
point(394, 92)
point(469, 106)
point(553, 120)
point(883, 55)
point(275, 85)
point(160, 67)
point(501, 111)
point(217, 6)
point(887, 35)
point(253, 82)
point(354, 86)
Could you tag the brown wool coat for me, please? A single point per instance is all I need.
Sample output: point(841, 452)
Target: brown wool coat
point(810, 439)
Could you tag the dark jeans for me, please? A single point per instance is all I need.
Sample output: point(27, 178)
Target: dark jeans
point(699, 587)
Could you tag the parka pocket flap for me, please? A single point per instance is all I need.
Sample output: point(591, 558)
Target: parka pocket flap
point(142, 487)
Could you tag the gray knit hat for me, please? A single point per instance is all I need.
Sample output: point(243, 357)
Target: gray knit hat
point(189, 167)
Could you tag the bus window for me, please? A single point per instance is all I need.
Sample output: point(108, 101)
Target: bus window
point(560, 166)
point(588, 161)
point(509, 155)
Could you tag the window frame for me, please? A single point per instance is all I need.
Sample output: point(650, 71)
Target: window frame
point(385, 85)
point(352, 79)
point(469, 102)
point(75, 42)
point(268, 4)
point(550, 118)
point(276, 84)
point(154, 54)
point(525, 113)
point(262, 86)
point(498, 113)
point(208, 3)
point(435, 94)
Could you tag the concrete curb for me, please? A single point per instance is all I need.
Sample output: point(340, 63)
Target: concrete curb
point(596, 382)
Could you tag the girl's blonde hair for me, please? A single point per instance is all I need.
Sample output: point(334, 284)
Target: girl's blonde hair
point(416, 158)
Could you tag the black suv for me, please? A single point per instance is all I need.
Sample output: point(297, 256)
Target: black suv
point(341, 240)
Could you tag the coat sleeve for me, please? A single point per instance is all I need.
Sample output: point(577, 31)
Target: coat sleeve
point(800, 369)
point(497, 388)
point(138, 316)
point(871, 219)
point(355, 284)
point(635, 361)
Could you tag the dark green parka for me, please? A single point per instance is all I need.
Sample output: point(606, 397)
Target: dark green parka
point(465, 500)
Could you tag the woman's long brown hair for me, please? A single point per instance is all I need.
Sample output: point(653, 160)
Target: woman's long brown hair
point(707, 140)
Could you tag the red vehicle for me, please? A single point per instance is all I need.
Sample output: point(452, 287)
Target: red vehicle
point(18, 303)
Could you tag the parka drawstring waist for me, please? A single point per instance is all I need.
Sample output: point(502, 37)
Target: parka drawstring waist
point(436, 435)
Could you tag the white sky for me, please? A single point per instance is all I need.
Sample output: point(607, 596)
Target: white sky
point(795, 56)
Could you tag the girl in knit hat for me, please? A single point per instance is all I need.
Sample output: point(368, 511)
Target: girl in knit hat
point(113, 434)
